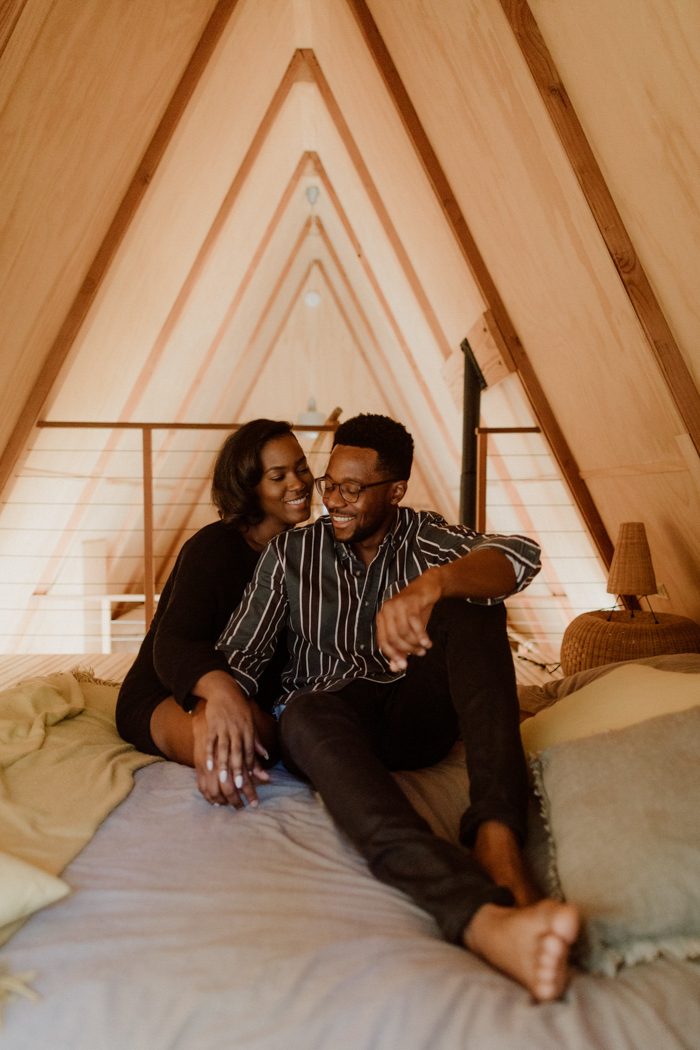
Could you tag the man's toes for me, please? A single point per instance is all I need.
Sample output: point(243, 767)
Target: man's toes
point(552, 950)
point(566, 922)
point(550, 967)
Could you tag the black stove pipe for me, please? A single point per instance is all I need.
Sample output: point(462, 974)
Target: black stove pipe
point(474, 383)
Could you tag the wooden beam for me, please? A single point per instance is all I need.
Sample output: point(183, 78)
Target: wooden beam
point(149, 588)
point(10, 14)
point(480, 272)
point(668, 355)
point(128, 207)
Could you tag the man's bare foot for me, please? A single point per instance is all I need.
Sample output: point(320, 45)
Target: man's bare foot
point(497, 851)
point(529, 944)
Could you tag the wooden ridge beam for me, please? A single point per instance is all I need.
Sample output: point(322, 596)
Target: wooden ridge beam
point(480, 272)
point(669, 358)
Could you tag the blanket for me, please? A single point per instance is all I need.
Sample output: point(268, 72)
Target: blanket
point(58, 743)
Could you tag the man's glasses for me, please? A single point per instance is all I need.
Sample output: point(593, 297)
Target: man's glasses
point(349, 490)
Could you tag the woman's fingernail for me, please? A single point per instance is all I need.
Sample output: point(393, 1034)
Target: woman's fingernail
point(254, 804)
point(223, 775)
point(238, 781)
point(265, 754)
point(210, 764)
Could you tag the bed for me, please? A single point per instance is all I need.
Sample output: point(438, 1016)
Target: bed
point(175, 925)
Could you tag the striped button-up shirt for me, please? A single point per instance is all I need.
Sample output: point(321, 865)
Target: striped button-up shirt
point(328, 599)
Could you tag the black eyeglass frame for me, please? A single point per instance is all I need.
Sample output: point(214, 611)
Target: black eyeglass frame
point(322, 486)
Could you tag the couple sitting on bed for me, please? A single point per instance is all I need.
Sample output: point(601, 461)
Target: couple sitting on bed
point(383, 666)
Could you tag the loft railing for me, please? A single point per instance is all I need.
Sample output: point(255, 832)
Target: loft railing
point(146, 430)
point(482, 452)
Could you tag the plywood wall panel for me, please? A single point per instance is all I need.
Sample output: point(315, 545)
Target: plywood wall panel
point(123, 334)
point(394, 167)
point(186, 202)
point(631, 71)
point(522, 202)
point(80, 113)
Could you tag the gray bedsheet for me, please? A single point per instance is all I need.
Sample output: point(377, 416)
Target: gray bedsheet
point(199, 928)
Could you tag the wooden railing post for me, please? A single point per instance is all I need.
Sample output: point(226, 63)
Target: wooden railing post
point(149, 583)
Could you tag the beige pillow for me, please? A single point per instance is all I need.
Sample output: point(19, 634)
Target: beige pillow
point(24, 889)
point(533, 698)
point(625, 696)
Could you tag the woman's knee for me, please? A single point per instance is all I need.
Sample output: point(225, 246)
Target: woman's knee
point(171, 732)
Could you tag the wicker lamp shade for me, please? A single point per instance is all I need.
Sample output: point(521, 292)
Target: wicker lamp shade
point(632, 571)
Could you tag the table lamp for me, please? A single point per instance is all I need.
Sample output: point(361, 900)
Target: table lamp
point(632, 571)
point(613, 635)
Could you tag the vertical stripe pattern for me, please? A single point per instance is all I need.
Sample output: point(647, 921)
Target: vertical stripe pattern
point(328, 599)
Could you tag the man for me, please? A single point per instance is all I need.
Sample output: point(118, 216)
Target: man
point(388, 665)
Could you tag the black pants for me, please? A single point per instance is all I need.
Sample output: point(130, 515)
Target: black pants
point(346, 742)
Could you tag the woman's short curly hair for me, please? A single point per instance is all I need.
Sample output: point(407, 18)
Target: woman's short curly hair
point(238, 470)
point(389, 439)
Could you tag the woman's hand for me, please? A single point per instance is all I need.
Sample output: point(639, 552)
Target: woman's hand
point(226, 745)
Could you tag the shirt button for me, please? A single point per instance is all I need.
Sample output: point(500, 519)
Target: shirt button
point(357, 572)
point(362, 647)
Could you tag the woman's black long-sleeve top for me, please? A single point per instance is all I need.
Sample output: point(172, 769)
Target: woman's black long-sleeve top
point(204, 587)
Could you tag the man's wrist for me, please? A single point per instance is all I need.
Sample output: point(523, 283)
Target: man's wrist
point(435, 578)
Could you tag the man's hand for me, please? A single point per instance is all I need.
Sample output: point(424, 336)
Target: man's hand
point(402, 620)
point(226, 747)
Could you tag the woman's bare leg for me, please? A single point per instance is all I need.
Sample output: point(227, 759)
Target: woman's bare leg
point(171, 729)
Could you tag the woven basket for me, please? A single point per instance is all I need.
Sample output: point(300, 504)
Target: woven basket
point(601, 637)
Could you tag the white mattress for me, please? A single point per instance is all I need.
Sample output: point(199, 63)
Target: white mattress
point(199, 928)
point(195, 928)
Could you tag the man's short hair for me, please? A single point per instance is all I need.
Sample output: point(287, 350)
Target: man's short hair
point(389, 439)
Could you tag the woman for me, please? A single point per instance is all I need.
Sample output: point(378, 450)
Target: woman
point(261, 485)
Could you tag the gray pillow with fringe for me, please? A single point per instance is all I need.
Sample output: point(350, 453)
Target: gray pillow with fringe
point(622, 812)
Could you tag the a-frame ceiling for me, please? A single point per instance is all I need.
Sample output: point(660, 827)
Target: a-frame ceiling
point(160, 242)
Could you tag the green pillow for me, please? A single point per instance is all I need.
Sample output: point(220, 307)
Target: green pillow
point(622, 810)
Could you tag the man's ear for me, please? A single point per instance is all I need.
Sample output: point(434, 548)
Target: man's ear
point(397, 491)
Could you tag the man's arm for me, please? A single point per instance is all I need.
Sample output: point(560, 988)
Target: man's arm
point(483, 573)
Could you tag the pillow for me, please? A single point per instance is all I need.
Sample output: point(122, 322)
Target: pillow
point(533, 698)
point(24, 889)
point(621, 810)
point(626, 695)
